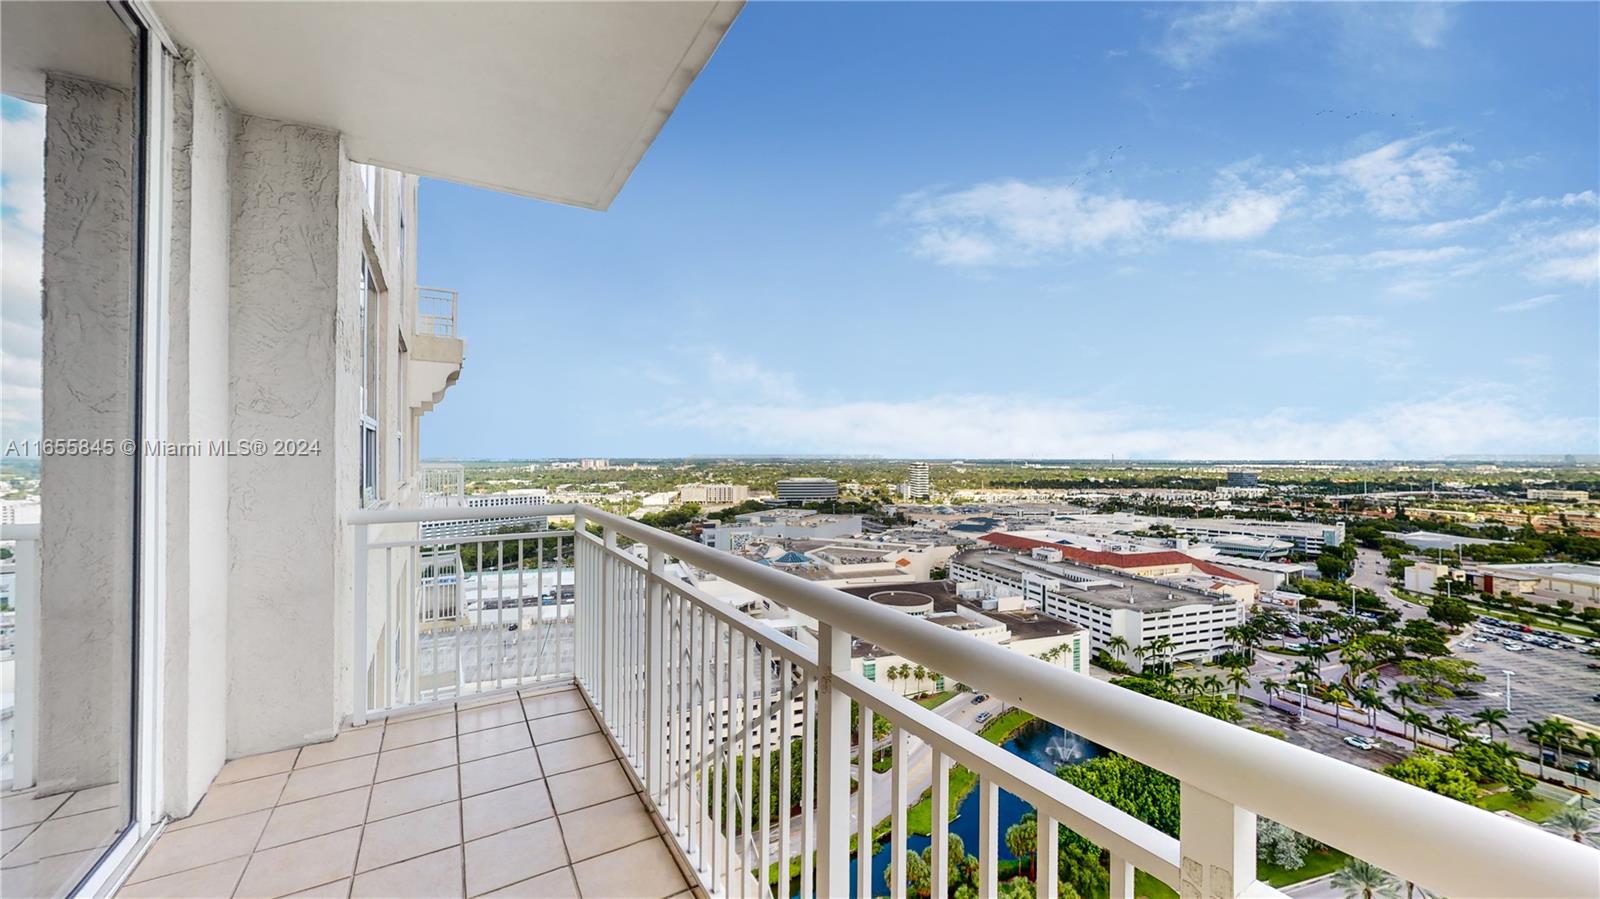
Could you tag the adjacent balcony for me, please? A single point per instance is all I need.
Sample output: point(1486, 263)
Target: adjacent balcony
point(565, 710)
point(435, 347)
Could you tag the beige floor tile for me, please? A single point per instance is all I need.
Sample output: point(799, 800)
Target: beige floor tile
point(484, 717)
point(339, 889)
point(578, 752)
point(315, 817)
point(24, 809)
point(205, 882)
point(422, 730)
point(408, 836)
point(601, 828)
point(237, 798)
point(257, 766)
point(557, 884)
point(563, 727)
point(416, 759)
point(334, 777)
point(588, 786)
point(499, 771)
point(111, 795)
point(499, 810)
point(644, 870)
point(547, 704)
point(60, 836)
point(513, 855)
point(180, 850)
point(297, 866)
point(407, 794)
point(346, 745)
point(486, 699)
point(432, 876)
point(484, 743)
point(443, 708)
point(11, 836)
point(52, 877)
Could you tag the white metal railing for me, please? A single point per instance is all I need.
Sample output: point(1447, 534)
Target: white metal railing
point(19, 724)
point(703, 700)
point(444, 484)
point(436, 311)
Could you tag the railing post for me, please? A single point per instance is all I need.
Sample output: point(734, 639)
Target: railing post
point(1218, 846)
point(1047, 860)
point(582, 607)
point(833, 764)
point(1121, 878)
point(655, 670)
point(610, 682)
point(358, 665)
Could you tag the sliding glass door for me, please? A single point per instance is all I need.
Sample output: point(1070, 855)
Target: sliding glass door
point(74, 163)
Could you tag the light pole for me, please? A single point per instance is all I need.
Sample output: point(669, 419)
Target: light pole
point(1508, 672)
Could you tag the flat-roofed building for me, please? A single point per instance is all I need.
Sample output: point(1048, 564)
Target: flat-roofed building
point(713, 494)
point(807, 490)
point(1552, 495)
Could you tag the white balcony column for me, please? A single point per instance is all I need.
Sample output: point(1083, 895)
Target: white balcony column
point(582, 609)
point(1121, 878)
point(610, 679)
point(358, 631)
point(1047, 860)
point(655, 663)
point(833, 764)
point(1218, 846)
point(25, 642)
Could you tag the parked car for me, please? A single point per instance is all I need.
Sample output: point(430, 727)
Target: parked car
point(1361, 743)
point(983, 716)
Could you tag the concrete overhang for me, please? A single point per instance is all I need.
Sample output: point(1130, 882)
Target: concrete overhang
point(552, 100)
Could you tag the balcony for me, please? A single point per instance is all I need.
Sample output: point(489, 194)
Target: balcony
point(576, 711)
point(435, 347)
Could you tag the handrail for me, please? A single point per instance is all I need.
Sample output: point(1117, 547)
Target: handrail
point(1436, 841)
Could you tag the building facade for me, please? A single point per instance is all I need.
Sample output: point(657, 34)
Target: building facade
point(807, 490)
point(917, 481)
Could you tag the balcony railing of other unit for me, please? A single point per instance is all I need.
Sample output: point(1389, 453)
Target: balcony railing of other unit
point(703, 700)
point(444, 484)
point(436, 311)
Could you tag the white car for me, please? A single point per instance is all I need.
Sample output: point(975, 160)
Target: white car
point(1361, 743)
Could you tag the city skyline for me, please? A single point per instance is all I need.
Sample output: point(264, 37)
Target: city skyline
point(964, 262)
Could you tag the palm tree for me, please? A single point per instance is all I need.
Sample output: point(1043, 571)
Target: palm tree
point(1118, 646)
point(1336, 696)
point(1453, 727)
point(920, 674)
point(1590, 743)
point(1022, 838)
point(1574, 823)
point(1271, 687)
point(1562, 733)
point(1238, 680)
point(1364, 880)
point(1370, 700)
point(1491, 719)
point(1405, 693)
point(1418, 720)
point(1542, 735)
point(893, 673)
point(1212, 684)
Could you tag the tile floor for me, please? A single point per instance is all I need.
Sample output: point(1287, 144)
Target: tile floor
point(50, 842)
point(506, 795)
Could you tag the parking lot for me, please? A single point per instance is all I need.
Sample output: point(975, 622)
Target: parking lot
point(1545, 682)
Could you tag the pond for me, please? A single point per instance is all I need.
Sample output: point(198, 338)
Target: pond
point(1045, 745)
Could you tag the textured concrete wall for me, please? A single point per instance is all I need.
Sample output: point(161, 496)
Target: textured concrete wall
point(86, 551)
point(290, 348)
point(195, 671)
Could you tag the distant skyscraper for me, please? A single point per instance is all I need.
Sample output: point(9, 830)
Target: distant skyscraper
point(918, 481)
point(1242, 479)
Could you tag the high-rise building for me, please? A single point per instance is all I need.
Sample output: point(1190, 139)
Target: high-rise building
point(917, 480)
point(1242, 479)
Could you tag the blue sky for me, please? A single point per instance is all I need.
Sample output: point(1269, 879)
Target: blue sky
point(1063, 231)
point(1077, 230)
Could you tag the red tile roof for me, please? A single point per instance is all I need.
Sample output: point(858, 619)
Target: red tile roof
point(1122, 561)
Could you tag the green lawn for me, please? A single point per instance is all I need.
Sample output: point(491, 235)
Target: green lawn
point(919, 818)
point(1536, 810)
point(1318, 863)
point(934, 700)
point(1000, 729)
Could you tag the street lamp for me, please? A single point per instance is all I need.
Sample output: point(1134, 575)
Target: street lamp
point(1508, 672)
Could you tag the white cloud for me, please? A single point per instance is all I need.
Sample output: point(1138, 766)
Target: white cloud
point(1572, 255)
point(21, 257)
point(1193, 40)
point(1016, 222)
point(1406, 179)
point(1529, 304)
point(1242, 215)
point(1451, 227)
point(987, 425)
point(1407, 258)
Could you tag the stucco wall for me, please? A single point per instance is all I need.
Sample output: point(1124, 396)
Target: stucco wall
point(86, 551)
point(195, 672)
point(289, 357)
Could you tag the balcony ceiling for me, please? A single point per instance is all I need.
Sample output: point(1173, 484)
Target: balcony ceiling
point(552, 100)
